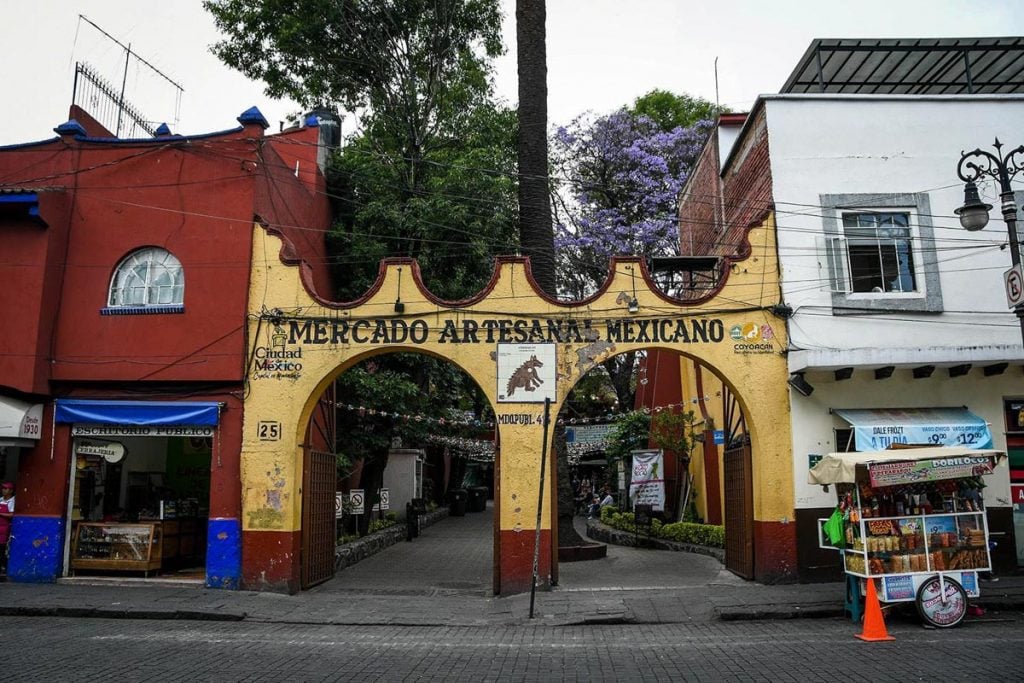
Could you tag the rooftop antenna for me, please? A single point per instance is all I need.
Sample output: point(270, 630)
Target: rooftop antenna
point(718, 108)
point(128, 54)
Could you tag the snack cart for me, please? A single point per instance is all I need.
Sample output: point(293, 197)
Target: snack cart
point(913, 518)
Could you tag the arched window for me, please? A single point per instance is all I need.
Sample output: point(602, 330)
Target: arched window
point(147, 277)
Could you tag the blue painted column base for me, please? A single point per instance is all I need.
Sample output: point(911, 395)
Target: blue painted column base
point(36, 549)
point(224, 554)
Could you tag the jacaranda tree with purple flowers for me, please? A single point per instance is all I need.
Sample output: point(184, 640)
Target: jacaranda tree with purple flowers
point(618, 179)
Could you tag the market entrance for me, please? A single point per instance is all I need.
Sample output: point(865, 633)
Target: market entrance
point(679, 446)
point(411, 435)
point(524, 350)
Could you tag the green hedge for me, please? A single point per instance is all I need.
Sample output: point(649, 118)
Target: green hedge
point(710, 535)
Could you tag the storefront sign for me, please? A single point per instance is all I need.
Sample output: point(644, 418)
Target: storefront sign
point(909, 472)
point(647, 485)
point(111, 451)
point(141, 430)
point(588, 434)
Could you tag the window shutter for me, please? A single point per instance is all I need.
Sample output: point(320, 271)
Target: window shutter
point(836, 259)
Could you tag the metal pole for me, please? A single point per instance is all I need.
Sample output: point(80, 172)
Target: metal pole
point(540, 501)
point(1009, 209)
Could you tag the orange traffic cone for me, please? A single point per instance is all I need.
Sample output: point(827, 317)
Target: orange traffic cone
point(874, 624)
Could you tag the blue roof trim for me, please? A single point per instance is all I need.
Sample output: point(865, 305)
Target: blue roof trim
point(253, 115)
point(157, 141)
point(70, 127)
point(19, 198)
point(153, 413)
point(164, 129)
point(142, 310)
point(25, 202)
point(17, 145)
point(312, 121)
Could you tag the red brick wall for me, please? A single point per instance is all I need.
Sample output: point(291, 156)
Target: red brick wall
point(746, 194)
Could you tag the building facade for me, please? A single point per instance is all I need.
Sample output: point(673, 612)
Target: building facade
point(898, 325)
point(126, 270)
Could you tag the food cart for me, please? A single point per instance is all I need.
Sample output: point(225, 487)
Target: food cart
point(913, 519)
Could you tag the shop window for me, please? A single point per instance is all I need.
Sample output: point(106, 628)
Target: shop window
point(149, 280)
point(879, 253)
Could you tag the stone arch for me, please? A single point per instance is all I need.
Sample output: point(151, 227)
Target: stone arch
point(294, 326)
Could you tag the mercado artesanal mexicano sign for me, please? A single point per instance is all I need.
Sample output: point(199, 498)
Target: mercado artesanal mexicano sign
point(506, 330)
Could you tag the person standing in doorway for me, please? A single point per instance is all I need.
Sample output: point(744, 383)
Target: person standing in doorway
point(6, 515)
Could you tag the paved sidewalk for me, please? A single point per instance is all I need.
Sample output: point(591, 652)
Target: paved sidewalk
point(443, 578)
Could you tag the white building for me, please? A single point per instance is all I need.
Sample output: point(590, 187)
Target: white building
point(894, 305)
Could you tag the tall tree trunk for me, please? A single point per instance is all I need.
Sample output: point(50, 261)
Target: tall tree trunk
point(536, 237)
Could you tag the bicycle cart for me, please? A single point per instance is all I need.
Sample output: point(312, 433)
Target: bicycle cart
point(913, 520)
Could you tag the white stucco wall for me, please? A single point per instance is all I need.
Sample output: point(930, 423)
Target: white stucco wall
point(857, 145)
point(849, 145)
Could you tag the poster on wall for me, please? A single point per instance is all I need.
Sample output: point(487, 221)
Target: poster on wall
point(526, 373)
point(647, 485)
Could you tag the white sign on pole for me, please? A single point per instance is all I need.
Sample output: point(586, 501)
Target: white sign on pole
point(339, 504)
point(384, 500)
point(647, 485)
point(357, 500)
point(1013, 279)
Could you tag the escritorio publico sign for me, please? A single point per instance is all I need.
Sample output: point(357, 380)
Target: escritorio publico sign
point(140, 430)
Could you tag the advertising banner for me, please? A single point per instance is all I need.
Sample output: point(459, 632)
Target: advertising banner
point(912, 471)
point(647, 485)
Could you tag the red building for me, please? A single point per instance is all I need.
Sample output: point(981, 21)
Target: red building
point(125, 268)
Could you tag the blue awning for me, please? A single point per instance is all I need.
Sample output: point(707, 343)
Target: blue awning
point(878, 428)
point(137, 412)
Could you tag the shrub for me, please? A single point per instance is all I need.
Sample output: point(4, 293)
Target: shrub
point(380, 524)
point(710, 535)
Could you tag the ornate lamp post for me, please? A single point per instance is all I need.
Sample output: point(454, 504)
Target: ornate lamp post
point(973, 214)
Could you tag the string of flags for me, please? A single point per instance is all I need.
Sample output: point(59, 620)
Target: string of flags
point(466, 421)
point(480, 450)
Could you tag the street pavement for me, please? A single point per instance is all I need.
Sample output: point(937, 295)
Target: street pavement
point(443, 578)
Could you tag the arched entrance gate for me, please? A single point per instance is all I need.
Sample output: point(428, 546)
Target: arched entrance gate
point(519, 346)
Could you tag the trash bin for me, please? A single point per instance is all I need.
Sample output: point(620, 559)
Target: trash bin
point(457, 501)
point(478, 499)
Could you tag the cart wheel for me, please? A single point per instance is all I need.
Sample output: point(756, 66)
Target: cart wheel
point(938, 610)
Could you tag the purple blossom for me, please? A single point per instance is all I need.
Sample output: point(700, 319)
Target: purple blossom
point(621, 177)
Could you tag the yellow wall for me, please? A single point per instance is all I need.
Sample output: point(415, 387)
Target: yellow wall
point(285, 319)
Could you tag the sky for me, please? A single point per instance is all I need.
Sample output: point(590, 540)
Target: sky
point(602, 54)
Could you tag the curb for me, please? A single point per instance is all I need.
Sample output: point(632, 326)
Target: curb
point(107, 613)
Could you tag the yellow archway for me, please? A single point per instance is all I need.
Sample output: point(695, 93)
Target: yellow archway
point(518, 345)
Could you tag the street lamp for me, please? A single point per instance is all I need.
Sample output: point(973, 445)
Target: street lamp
point(973, 214)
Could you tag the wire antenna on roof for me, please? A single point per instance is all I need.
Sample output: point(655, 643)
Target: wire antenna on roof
point(105, 103)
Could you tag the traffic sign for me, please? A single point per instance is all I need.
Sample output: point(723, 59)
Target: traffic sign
point(1013, 279)
point(357, 500)
point(339, 505)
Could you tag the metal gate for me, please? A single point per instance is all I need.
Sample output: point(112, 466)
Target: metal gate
point(739, 492)
point(319, 480)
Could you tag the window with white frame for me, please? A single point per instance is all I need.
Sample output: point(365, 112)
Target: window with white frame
point(147, 278)
point(880, 253)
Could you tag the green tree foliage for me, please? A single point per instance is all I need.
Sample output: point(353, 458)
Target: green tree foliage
point(671, 111)
point(461, 214)
point(630, 433)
